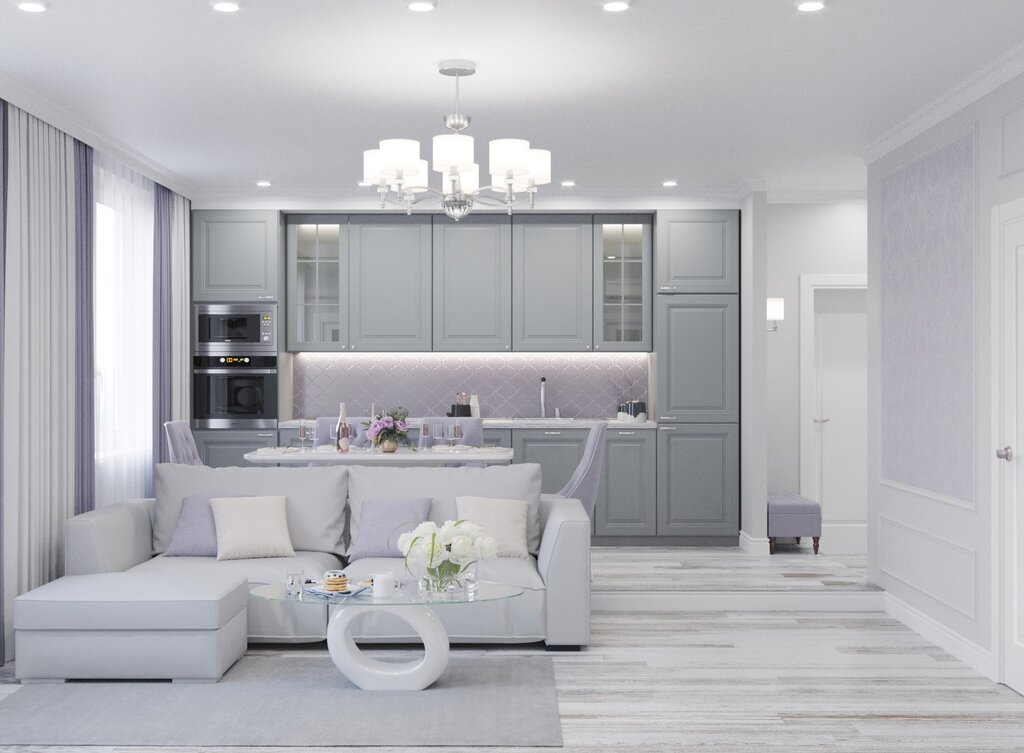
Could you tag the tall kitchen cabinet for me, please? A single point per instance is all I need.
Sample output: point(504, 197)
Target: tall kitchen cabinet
point(235, 256)
point(696, 345)
point(359, 283)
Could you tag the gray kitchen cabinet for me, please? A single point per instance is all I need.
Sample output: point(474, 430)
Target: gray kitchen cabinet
point(389, 283)
point(558, 451)
point(472, 290)
point(552, 283)
point(317, 262)
point(622, 283)
point(698, 480)
point(698, 251)
point(627, 499)
point(235, 255)
point(225, 447)
point(697, 346)
point(497, 437)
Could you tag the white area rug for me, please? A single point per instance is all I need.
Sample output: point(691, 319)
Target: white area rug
point(296, 701)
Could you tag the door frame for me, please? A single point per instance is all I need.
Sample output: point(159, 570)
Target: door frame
point(809, 286)
point(1003, 484)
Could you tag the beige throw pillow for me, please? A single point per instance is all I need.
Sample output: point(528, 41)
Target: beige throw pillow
point(251, 527)
point(502, 519)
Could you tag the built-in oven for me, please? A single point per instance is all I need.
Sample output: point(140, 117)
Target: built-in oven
point(231, 328)
point(234, 391)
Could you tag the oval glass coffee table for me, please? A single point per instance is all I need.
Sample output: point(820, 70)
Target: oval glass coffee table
point(407, 605)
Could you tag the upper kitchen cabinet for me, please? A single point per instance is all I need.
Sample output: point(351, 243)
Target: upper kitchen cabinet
point(390, 283)
point(552, 283)
point(317, 283)
point(472, 284)
point(235, 256)
point(698, 251)
point(697, 370)
point(622, 283)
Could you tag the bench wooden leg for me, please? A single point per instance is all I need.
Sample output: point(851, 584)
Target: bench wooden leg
point(771, 545)
point(815, 539)
point(797, 539)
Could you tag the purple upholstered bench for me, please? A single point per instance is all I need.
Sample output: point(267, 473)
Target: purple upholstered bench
point(793, 516)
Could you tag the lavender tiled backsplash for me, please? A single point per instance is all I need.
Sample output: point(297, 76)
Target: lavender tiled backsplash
point(585, 385)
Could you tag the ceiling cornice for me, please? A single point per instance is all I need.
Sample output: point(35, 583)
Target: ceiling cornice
point(1004, 68)
point(58, 117)
point(816, 197)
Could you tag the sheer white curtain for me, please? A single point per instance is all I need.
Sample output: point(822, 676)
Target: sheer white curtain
point(123, 332)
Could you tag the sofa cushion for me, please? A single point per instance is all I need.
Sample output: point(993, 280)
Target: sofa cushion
point(504, 520)
point(260, 570)
point(133, 601)
point(195, 535)
point(521, 481)
point(381, 521)
point(315, 507)
point(250, 527)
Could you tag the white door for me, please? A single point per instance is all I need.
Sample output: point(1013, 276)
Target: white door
point(1010, 236)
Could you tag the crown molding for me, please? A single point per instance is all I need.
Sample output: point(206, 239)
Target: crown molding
point(817, 197)
point(31, 102)
point(989, 78)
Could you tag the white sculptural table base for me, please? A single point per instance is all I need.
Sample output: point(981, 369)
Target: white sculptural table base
point(372, 674)
point(410, 607)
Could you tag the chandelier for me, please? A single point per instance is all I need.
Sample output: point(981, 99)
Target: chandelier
point(400, 176)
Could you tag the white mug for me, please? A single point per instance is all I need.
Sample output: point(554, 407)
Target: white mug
point(384, 585)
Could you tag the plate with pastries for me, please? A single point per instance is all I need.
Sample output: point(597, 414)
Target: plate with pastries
point(336, 583)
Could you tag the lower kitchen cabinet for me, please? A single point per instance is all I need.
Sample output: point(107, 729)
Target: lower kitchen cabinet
point(497, 437)
point(223, 447)
point(698, 480)
point(558, 451)
point(627, 499)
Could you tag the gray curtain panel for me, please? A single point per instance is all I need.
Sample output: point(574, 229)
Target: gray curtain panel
point(163, 324)
point(3, 267)
point(85, 394)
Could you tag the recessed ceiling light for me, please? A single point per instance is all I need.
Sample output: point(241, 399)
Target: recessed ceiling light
point(32, 7)
point(422, 6)
point(227, 7)
point(263, 183)
point(364, 184)
point(568, 183)
point(670, 183)
point(810, 6)
point(616, 6)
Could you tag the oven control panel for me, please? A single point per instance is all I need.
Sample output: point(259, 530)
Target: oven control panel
point(266, 328)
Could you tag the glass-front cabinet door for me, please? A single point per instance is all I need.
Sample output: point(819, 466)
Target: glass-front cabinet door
point(622, 283)
point(317, 283)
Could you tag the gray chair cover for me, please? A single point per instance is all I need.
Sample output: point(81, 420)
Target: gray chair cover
point(587, 478)
point(324, 424)
point(181, 445)
point(472, 429)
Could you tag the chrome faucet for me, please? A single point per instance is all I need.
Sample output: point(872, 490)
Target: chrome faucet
point(543, 402)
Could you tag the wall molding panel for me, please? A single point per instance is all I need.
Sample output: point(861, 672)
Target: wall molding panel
point(911, 555)
point(962, 504)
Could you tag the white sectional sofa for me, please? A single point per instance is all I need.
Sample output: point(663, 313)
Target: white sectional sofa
point(555, 606)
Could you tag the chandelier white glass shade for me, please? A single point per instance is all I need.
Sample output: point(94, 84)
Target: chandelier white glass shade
point(398, 173)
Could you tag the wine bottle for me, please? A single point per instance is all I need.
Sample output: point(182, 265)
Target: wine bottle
point(344, 440)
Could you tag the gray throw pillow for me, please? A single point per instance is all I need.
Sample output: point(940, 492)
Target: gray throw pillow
point(382, 521)
point(196, 533)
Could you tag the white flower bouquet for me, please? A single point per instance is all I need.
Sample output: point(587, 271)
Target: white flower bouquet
point(443, 554)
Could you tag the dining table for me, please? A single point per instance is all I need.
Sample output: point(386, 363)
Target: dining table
point(428, 456)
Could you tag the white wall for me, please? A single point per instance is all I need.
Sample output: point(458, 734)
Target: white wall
point(930, 536)
point(802, 239)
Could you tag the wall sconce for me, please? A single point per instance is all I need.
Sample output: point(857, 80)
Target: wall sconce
point(776, 313)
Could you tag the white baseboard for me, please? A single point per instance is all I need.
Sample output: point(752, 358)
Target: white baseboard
point(844, 538)
point(967, 651)
point(750, 545)
point(738, 601)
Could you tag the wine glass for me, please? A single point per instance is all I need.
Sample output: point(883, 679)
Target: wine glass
point(437, 431)
point(334, 435)
point(305, 432)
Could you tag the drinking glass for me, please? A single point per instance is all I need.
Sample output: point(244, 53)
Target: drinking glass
point(334, 436)
point(293, 582)
point(305, 432)
point(451, 434)
point(437, 432)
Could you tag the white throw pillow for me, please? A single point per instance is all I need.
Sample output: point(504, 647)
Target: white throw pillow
point(502, 519)
point(251, 527)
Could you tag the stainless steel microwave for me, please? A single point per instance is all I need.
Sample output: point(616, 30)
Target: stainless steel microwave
point(228, 328)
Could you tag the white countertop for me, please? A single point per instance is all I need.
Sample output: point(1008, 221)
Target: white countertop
point(533, 423)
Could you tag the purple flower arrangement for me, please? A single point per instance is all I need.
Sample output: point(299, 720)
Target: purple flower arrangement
point(392, 424)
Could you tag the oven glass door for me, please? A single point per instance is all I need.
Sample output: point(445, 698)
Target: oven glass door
point(233, 398)
point(232, 329)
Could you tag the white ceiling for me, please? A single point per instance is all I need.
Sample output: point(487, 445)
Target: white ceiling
point(707, 92)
